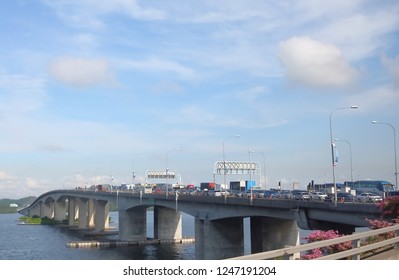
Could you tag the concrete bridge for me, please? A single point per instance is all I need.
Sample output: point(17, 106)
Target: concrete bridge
point(219, 230)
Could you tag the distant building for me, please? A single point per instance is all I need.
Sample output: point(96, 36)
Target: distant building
point(13, 205)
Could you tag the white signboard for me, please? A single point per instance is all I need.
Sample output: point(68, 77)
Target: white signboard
point(236, 167)
point(153, 174)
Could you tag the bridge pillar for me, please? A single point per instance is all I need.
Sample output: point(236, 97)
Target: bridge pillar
point(35, 211)
point(60, 210)
point(133, 224)
point(219, 239)
point(101, 216)
point(167, 224)
point(47, 210)
point(90, 213)
point(73, 210)
point(83, 212)
point(272, 233)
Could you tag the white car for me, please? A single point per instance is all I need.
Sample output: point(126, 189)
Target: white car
point(368, 197)
point(318, 196)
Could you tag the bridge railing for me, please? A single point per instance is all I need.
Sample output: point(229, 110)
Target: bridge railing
point(355, 253)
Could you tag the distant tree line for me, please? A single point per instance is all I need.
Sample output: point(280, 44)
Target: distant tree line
point(22, 202)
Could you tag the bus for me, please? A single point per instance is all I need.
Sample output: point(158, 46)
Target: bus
point(375, 186)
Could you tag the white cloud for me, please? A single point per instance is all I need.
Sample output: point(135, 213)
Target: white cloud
point(392, 65)
point(4, 176)
point(315, 64)
point(88, 13)
point(51, 148)
point(376, 99)
point(85, 41)
point(166, 87)
point(31, 183)
point(21, 93)
point(161, 65)
point(13, 187)
point(81, 72)
point(362, 34)
point(252, 94)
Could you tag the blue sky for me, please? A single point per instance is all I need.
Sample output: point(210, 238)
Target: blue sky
point(93, 88)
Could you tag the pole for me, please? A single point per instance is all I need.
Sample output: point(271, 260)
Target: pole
point(250, 173)
point(394, 146)
point(332, 151)
point(224, 161)
point(350, 155)
point(264, 169)
point(167, 170)
point(333, 162)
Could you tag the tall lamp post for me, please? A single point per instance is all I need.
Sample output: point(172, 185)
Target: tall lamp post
point(224, 160)
point(394, 145)
point(250, 171)
point(133, 177)
point(332, 150)
point(264, 168)
point(167, 170)
point(350, 154)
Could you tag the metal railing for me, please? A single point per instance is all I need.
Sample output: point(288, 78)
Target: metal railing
point(355, 253)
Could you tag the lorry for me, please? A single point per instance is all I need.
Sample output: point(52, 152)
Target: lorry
point(208, 186)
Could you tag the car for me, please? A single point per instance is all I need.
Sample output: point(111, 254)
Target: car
point(345, 197)
point(285, 194)
point(267, 194)
point(368, 197)
point(329, 198)
point(236, 193)
point(301, 195)
point(317, 195)
point(393, 193)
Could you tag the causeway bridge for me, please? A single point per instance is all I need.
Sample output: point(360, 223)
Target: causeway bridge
point(219, 226)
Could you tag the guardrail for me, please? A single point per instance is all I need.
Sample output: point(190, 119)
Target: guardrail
point(355, 253)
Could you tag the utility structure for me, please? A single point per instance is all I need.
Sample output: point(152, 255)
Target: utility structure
point(333, 150)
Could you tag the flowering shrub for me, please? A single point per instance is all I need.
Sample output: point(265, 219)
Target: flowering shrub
point(390, 207)
point(319, 235)
point(377, 224)
point(313, 254)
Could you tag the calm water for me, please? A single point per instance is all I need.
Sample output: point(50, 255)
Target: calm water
point(40, 242)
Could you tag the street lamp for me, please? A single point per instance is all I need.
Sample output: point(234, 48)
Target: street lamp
point(167, 170)
point(332, 150)
point(134, 173)
point(394, 145)
point(224, 161)
point(133, 177)
point(350, 154)
point(250, 171)
point(264, 169)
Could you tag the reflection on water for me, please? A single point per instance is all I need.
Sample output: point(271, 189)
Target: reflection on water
point(40, 242)
point(35, 242)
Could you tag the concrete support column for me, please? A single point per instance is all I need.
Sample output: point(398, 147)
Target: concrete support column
point(272, 233)
point(219, 239)
point(47, 210)
point(167, 224)
point(90, 213)
point(60, 210)
point(83, 213)
point(101, 216)
point(133, 224)
point(199, 231)
point(73, 210)
point(35, 211)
